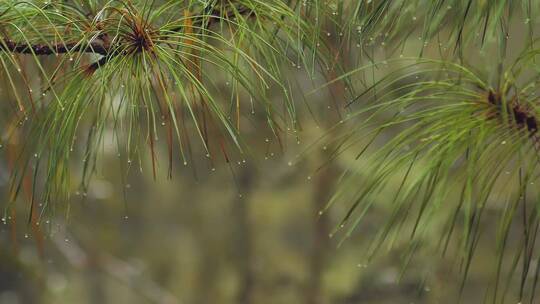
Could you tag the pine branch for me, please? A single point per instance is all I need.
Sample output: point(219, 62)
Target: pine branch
point(211, 15)
point(8, 45)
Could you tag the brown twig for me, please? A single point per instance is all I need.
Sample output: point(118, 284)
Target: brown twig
point(51, 49)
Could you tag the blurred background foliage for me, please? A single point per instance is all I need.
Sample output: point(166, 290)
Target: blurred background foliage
point(246, 227)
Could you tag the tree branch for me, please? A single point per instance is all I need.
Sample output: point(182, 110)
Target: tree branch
point(8, 45)
point(100, 47)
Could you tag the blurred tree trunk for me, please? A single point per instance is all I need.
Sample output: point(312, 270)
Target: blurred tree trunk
point(324, 188)
point(322, 191)
point(244, 240)
point(96, 286)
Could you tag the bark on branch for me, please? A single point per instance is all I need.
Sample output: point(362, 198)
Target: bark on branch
point(51, 49)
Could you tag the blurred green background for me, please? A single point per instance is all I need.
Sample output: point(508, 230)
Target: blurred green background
point(244, 232)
